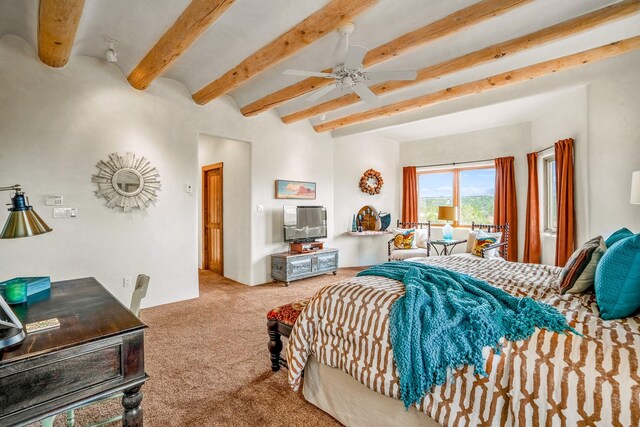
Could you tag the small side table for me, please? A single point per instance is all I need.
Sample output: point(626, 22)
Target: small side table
point(447, 245)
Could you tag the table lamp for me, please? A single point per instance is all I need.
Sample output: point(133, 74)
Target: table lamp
point(447, 213)
point(635, 188)
point(23, 221)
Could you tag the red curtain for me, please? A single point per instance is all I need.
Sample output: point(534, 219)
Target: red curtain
point(409, 194)
point(505, 208)
point(532, 224)
point(565, 234)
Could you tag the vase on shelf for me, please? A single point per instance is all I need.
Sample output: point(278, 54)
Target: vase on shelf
point(354, 226)
point(385, 220)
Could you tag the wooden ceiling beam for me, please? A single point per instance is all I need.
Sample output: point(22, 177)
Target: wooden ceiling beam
point(193, 21)
point(493, 82)
point(498, 51)
point(446, 26)
point(57, 26)
point(314, 27)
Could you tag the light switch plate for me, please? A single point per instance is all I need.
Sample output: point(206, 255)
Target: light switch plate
point(52, 200)
point(260, 208)
point(65, 212)
point(188, 188)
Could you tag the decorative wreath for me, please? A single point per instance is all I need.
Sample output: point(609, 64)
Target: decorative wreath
point(368, 188)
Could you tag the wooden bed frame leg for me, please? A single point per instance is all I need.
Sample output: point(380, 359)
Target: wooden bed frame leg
point(275, 344)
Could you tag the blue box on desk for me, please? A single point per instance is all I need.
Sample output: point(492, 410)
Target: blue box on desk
point(34, 285)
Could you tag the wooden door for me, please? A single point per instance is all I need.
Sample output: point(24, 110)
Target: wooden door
point(212, 218)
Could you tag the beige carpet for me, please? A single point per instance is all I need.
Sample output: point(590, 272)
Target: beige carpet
point(209, 364)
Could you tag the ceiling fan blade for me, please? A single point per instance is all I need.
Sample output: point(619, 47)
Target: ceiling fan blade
point(383, 76)
point(354, 57)
point(364, 93)
point(320, 93)
point(306, 73)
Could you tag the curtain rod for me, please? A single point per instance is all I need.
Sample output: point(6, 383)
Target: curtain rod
point(471, 161)
point(545, 149)
point(456, 163)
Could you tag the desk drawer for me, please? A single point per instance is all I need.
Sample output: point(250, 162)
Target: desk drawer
point(31, 383)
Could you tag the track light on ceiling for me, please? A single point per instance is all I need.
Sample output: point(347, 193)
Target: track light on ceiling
point(111, 54)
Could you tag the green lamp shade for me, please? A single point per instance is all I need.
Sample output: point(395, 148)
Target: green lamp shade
point(23, 221)
point(16, 291)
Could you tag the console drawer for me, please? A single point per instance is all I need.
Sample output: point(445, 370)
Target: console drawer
point(298, 267)
point(327, 262)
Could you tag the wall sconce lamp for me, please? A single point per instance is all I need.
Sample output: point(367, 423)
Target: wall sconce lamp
point(111, 54)
point(23, 221)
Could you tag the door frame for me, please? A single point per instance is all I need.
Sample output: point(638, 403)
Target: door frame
point(205, 199)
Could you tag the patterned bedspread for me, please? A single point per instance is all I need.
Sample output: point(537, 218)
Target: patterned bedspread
point(550, 379)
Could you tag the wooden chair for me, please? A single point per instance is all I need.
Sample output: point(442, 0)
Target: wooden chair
point(139, 292)
point(417, 226)
point(503, 246)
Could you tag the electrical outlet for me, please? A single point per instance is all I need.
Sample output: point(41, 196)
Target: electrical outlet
point(126, 282)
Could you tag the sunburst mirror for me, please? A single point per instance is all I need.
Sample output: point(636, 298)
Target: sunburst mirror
point(127, 181)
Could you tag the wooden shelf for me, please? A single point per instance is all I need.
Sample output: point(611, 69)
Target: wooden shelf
point(368, 233)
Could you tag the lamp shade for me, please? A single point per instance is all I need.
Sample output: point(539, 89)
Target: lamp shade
point(446, 213)
point(23, 221)
point(635, 188)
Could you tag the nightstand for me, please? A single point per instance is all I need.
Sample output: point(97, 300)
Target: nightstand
point(447, 245)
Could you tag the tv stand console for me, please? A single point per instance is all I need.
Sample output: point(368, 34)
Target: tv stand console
point(288, 266)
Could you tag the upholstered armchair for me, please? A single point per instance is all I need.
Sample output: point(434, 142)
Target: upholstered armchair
point(422, 238)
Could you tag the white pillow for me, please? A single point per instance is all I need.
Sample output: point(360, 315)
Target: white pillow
point(471, 240)
point(421, 239)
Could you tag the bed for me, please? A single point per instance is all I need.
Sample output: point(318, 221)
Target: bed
point(341, 338)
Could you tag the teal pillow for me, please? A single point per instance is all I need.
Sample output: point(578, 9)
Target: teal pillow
point(617, 279)
point(623, 233)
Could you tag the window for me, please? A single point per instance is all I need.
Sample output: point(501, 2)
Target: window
point(551, 201)
point(434, 189)
point(471, 190)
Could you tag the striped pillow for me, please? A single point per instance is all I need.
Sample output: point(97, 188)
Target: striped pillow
point(579, 272)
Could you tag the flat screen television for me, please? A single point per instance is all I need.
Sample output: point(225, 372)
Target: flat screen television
point(304, 223)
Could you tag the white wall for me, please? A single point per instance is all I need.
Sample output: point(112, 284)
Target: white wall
point(354, 155)
point(292, 152)
point(236, 200)
point(601, 116)
point(55, 124)
point(565, 118)
point(614, 147)
point(480, 145)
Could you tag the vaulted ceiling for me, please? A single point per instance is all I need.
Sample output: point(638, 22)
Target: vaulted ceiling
point(242, 47)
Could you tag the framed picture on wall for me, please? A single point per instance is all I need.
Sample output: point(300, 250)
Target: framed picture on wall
point(286, 189)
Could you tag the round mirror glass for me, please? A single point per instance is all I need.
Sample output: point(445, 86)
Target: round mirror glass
point(127, 181)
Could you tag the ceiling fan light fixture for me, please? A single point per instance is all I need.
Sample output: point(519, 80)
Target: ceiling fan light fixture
point(351, 74)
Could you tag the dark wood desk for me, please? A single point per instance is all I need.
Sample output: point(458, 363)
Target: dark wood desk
point(98, 350)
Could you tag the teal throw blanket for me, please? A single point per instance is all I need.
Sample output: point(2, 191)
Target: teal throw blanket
point(446, 318)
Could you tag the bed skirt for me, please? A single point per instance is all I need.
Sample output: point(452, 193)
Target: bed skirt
point(352, 403)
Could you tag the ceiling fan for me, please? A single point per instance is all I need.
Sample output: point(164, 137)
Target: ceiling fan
point(351, 75)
